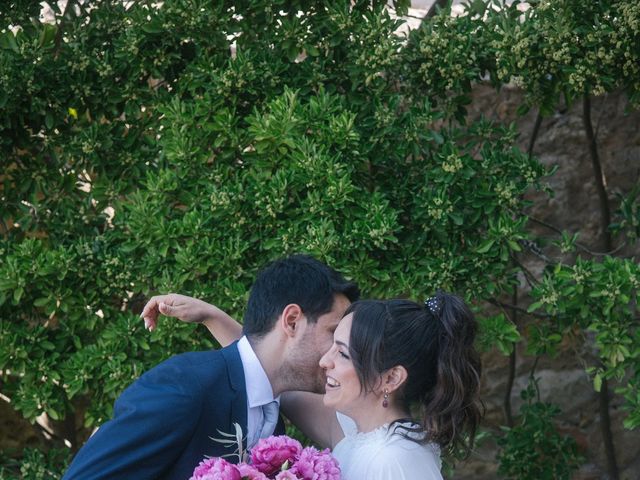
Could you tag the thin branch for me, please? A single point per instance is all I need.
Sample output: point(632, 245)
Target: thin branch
point(407, 15)
point(533, 378)
point(537, 251)
point(604, 102)
point(4, 228)
point(543, 223)
point(512, 364)
point(434, 8)
point(605, 213)
point(519, 309)
point(534, 134)
point(508, 413)
point(605, 221)
point(607, 436)
point(528, 275)
point(413, 16)
point(58, 39)
point(581, 246)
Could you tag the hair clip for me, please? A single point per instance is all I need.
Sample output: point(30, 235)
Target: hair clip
point(433, 304)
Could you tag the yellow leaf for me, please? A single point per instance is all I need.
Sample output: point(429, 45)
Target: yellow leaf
point(73, 112)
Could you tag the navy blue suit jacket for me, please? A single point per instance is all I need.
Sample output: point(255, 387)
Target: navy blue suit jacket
point(163, 422)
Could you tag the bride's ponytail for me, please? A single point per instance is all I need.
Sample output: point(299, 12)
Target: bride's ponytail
point(434, 343)
point(452, 408)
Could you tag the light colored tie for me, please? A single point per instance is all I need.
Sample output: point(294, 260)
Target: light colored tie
point(269, 419)
point(268, 423)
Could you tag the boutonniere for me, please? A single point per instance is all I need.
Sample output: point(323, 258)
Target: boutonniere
point(231, 439)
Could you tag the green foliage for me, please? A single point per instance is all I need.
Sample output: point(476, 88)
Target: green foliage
point(35, 464)
point(446, 55)
point(567, 48)
point(498, 331)
point(628, 215)
point(535, 449)
point(601, 298)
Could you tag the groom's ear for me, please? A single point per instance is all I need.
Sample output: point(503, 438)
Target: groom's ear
point(291, 318)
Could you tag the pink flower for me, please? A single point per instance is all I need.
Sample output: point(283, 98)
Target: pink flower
point(215, 468)
point(287, 475)
point(269, 454)
point(315, 465)
point(249, 472)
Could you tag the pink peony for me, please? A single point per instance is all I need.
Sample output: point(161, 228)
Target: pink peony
point(249, 472)
point(216, 468)
point(269, 454)
point(287, 475)
point(316, 465)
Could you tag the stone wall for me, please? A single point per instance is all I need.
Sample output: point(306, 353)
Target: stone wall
point(573, 207)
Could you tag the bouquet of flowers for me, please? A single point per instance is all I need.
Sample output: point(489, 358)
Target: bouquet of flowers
point(276, 457)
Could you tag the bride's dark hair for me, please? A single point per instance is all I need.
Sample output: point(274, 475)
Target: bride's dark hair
point(434, 343)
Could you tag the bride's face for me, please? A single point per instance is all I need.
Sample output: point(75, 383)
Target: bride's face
point(342, 390)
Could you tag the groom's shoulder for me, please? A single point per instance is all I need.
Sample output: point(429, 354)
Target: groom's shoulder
point(203, 367)
point(194, 359)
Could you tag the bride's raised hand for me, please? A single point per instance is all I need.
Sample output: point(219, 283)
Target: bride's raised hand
point(182, 307)
point(192, 310)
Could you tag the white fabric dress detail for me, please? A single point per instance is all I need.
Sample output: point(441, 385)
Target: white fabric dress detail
point(383, 455)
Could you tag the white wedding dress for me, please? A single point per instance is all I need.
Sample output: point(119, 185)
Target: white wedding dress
point(383, 455)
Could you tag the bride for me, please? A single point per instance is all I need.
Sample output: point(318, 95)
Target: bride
point(402, 382)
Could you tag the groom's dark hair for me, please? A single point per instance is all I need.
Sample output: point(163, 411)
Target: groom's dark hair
point(299, 279)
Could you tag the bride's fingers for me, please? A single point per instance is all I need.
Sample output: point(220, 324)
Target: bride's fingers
point(150, 307)
point(150, 312)
point(168, 309)
point(168, 305)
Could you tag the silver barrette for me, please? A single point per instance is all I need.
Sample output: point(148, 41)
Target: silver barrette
point(433, 304)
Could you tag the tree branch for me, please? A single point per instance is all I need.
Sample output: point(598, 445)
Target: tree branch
point(528, 276)
point(607, 436)
point(534, 134)
point(605, 213)
point(605, 221)
point(434, 8)
point(579, 245)
point(497, 303)
point(512, 364)
point(58, 39)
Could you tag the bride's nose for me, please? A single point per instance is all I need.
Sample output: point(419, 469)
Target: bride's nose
point(325, 361)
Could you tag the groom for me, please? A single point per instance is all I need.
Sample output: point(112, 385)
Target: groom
point(163, 423)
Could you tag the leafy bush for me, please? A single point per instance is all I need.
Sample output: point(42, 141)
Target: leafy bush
point(535, 449)
point(35, 464)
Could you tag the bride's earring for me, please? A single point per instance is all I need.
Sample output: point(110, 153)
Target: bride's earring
point(385, 401)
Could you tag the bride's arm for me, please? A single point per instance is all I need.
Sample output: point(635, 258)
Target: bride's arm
point(188, 309)
point(305, 410)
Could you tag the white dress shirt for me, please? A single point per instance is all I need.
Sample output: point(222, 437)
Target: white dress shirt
point(259, 391)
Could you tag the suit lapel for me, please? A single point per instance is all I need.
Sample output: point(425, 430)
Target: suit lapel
point(238, 386)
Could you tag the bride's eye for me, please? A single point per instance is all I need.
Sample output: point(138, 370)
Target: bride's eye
point(343, 355)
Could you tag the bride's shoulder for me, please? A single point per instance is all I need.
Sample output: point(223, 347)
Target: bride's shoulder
point(398, 444)
point(404, 459)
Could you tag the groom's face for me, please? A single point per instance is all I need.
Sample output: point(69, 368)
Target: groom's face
point(314, 342)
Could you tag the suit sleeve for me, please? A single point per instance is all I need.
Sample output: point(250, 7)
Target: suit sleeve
point(154, 420)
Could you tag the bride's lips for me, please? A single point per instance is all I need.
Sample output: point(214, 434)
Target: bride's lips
point(332, 382)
